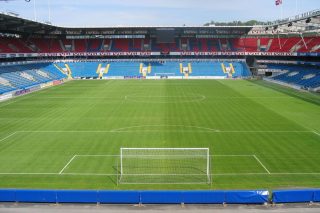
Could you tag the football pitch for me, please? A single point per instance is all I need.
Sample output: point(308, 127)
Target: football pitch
point(260, 135)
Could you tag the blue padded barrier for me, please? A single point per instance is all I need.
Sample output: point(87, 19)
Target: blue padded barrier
point(316, 196)
point(71, 196)
point(244, 197)
point(159, 197)
point(38, 196)
point(132, 197)
point(7, 195)
point(204, 197)
point(294, 196)
point(124, 197)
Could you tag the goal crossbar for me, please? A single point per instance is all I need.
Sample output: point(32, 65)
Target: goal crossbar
point(173, 165)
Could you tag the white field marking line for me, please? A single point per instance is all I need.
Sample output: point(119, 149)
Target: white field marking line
point(70, 97)
point(193, 183)
point(67, 164)
point(265, 168)
point(108, 82)
point(156, 174)
point(205, 97)
point(295, 173)
point(5, 138)
point(214, 174)
point(9, 102)
point(317, 133)
point(231, 155)
point(65, 131)
point(241, 174)
point(158, 183)
point(28, 95)
point(164, 102)
point(18, 98)
point(196, 98)
point(196, 127)
point(120, 130)
point(25, 173)
point(88, 174)
point(263, 131)
point(163, 155)
point(251, 97)
point(166, 96)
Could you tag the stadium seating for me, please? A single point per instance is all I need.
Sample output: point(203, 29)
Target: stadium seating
point(24, 76)
point(307, 77)
point(134, 69)
point(18, 77)
point(293, 44)
point(128, 69)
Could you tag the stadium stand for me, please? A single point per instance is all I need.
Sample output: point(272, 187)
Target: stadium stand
point(19, 77)
point(306, 76)
point(161, 68)
point(293, 44)
point(16, 77)
point(36, 55)
point(144, 53)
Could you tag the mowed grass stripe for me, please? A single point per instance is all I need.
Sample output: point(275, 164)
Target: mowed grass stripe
point(252, 119)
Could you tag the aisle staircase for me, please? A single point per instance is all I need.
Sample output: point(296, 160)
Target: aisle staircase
point(69, 72)
point(101, 71)
point(65, 71)
point(144, 71)
point(186, 70)
point(228, 70)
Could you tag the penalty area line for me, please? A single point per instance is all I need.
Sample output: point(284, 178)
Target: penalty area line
point(67, 164)
point(105, 174)
point(317, 133)
point(205, 129)
point(5, 138)
point(265, 168)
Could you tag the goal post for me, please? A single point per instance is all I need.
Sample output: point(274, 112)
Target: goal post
point(164, 166)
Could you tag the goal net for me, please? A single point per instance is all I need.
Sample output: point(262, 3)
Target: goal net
point(165, 74)
point(164, 166)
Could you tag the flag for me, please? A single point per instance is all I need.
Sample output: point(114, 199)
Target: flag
point(278, 2)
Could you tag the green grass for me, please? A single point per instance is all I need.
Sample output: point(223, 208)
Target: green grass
point(275, 132)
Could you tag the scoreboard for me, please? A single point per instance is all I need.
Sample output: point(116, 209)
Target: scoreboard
point(165, 35)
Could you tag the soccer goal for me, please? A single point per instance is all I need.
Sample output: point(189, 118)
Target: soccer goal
point(164, 166)
point(165, 74)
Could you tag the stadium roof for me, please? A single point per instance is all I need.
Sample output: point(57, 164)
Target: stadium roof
point(9, 23)
point(302, 24)
point(16, 25)
point(305, 23)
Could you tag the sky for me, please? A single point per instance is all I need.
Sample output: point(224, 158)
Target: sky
point(105, 13)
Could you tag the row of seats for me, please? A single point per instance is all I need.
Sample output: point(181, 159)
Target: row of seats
point(302, 76)
point(295, 44)
point(164, 68)
point(24, 76)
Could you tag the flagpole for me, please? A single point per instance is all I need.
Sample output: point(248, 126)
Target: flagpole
point(34, 10)
point(49, 10)
point(281, 12)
